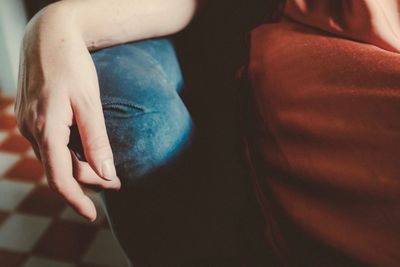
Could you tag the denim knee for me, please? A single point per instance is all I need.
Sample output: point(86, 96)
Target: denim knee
point(147, 123)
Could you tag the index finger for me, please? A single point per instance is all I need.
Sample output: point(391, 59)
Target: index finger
point(57, 162)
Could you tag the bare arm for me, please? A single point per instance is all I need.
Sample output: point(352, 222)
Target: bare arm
point(58, 84)
point(101, 23)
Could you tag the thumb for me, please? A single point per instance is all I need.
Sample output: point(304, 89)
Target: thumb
point(92, 130)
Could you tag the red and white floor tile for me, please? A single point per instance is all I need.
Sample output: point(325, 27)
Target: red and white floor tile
point(37, 229)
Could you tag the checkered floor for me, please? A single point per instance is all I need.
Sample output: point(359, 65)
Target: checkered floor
point(36, 228)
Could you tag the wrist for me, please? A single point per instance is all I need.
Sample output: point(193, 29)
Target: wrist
point(56, 23)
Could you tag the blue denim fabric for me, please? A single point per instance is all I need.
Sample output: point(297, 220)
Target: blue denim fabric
point(147, 122)
point(170, 210)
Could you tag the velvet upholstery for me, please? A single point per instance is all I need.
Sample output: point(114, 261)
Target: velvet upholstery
point(323, 134)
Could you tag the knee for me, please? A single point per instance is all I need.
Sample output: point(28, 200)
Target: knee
point(148, 125)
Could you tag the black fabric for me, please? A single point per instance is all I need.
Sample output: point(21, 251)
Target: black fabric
point(211, 50)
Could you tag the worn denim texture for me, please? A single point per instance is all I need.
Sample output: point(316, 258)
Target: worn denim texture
point(147, 122)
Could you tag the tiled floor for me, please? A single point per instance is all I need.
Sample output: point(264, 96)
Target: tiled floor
point(36, 228)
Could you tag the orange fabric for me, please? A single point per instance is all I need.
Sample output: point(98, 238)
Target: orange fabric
point(324, 141)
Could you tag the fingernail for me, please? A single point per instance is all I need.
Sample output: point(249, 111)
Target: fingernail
point(91, 212)
point(108, 170)
point(116, 185)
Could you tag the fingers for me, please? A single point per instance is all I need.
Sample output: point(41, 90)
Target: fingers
point(34, 144)
point(83, 173)
point(49, 139)
point(88, 114)
point(64, 171)
point(57, 161)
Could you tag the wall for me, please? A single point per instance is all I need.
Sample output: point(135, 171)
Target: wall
point(12, 24)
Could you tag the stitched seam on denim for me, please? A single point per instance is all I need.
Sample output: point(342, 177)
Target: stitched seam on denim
point(127, 104)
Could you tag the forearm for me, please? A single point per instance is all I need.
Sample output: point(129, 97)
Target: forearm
point(103, 23)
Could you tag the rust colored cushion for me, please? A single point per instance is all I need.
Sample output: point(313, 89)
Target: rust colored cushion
point(323, 142)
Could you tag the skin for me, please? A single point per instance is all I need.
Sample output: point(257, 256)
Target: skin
point(58, 84)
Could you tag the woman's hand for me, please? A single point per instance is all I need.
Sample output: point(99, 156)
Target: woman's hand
point(58, 84)
point(57, 88)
